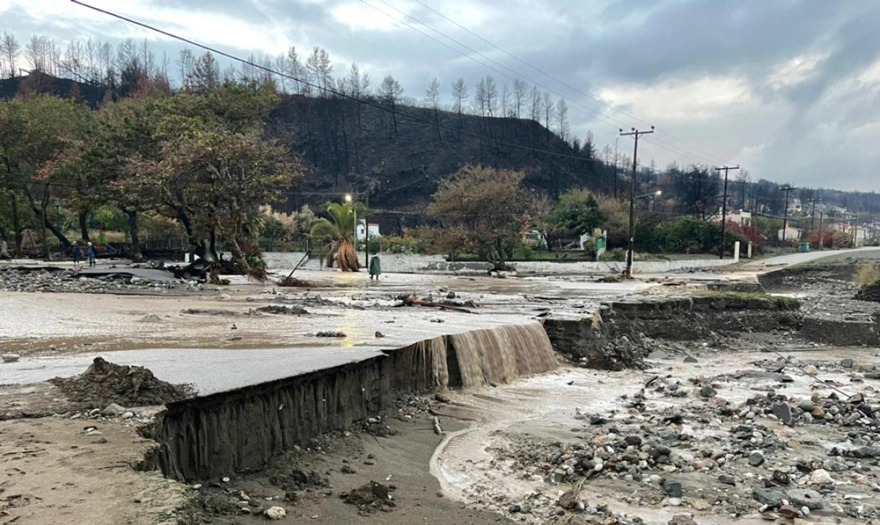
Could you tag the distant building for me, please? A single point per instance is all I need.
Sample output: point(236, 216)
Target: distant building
point(362, 230)
point(741, 217)
point(792, 234)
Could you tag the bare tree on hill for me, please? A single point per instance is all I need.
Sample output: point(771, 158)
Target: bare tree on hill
point(459, 95)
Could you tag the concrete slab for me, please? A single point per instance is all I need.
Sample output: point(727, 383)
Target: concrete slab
point(209, 371)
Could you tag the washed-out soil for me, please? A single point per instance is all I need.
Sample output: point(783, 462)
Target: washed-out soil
point(105, 382)
point(360, 476)
point(869, 292)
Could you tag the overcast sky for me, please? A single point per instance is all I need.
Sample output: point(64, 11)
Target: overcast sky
point(788, 89)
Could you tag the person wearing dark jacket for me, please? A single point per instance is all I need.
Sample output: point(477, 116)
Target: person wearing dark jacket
point(93, 254)
point(375, 267)
point(77, 253)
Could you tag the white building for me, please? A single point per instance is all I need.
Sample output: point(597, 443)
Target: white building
point(741, 217)
point(362, 230)
point(792, 234)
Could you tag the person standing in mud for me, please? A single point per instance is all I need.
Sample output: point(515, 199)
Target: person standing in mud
point(93, 254)
point(375, 267)
point(76, 253)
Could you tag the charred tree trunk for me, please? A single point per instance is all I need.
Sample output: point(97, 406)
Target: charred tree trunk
point(39, 210)
point(84, 225)
point(16, 226)
point(197, 246)
point(136, 254)
point(212, 244)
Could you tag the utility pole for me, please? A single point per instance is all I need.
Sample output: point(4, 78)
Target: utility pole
point(632, 197)
point(854, 226)
point(367, 232)
point(787, 189)
point(724, 207)
point(821, 235)
point(812, 215)
point(616, 163)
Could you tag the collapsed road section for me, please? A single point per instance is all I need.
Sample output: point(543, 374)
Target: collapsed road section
point(243, 430)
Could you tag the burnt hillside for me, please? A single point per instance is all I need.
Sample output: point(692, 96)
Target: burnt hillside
point(358, 146)
point(37, 82)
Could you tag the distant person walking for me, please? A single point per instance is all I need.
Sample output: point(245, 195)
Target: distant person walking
point(77, 253)
point(375, 267)
point(93, 254)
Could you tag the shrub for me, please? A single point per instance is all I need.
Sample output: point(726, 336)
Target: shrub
point(867, 274)
point(617, 254)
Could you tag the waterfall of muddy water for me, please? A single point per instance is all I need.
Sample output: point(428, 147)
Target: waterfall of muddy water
point(498, 355)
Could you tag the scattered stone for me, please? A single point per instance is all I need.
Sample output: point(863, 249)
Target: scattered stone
point(682, 519)
point(633, 440)
point(569, 499)
point(811, 370)
point(805, 498)
point(771, 498)
point(701, 504)
point(727, 479)
point(690, 359)
point(780, 478)
point(783, 412)
point(672, 489)
point(846, 363)
point(113, 410)
point(787, 511)
point(10, 358)
point(275, 513)
point(806, 405)
point(756, 458)
point(820, 477)
point(708, 392)
point(379, 334)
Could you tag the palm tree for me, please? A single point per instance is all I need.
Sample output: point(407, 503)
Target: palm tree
point(338, 230)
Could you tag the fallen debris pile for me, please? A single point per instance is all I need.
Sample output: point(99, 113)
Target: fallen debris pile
point(370, 497)
point(447, 304)
point(104, 383)
point(62, 280)
point(282, 310)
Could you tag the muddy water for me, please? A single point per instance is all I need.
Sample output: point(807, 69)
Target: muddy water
point(502, 354)
point(471, 470)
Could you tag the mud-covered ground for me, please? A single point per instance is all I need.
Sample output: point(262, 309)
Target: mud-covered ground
point(740, 428)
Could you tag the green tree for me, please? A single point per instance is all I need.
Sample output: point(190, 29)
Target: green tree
point(42, 134)
point(222, 178)
point(491, 205)
point(576, 213)
point(338, 230)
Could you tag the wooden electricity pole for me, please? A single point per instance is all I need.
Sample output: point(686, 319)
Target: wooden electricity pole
point(635, 133)
point(724, 207)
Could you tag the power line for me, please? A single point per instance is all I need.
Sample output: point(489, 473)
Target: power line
point(559, 81)
point(332, 91)
point(590, 112)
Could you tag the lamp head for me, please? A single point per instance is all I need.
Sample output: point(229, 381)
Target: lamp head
point(348, 197)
